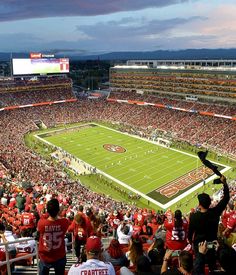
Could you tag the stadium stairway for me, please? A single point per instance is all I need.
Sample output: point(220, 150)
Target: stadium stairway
point(32, 270)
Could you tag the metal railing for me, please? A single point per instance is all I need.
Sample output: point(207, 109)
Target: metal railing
point(9, 261)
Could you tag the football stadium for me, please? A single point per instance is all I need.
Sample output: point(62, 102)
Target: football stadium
point(125, 162)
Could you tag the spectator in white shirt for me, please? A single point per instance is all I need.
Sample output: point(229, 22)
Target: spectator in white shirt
point(7, 236)
point(94, 264)
point(124, 233)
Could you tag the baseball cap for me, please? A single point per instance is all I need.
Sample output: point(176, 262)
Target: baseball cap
point(93, 244)
point(204, 200)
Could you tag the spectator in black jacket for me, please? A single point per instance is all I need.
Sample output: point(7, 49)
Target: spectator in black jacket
point(203, 225)
point(20, 202)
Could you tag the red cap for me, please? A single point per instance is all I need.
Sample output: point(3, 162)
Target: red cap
point(93, 244)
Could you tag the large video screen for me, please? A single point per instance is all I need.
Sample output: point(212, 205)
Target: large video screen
point(25, 66)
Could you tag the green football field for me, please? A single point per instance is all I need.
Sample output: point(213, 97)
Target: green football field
point(138, 164)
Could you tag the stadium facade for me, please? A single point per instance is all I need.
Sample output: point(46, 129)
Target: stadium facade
point(203, 80)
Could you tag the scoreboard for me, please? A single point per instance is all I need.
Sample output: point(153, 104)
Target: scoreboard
point(33, 66)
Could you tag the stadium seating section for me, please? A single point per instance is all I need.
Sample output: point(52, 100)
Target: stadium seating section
point(19, 163)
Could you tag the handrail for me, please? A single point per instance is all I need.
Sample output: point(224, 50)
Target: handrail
point(9, 261)
point(29, 255)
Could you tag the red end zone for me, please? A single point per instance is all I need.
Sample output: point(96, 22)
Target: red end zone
point(180, 185)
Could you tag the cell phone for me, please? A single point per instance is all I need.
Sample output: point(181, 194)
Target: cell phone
point(175, 253)
point(211, 245)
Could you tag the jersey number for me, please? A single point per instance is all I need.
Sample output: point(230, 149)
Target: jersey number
point(52, 240)
point(178, 235)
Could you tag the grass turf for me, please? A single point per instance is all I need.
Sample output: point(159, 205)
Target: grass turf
point(143, 166)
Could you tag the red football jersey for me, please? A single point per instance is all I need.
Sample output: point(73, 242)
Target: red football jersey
point(51, 240)
point(225, 216)
point(231, 224)
point(139, 218)
point(137, 229)
point(79, 232)
point(176, 237)
point(28, 220)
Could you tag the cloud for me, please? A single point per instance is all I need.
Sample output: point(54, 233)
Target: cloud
point(11, 10)
point(131, 27)
point(113, 35)
point(144, 32)
point(18, 41)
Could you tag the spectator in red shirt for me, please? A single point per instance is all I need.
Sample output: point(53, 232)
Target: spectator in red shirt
point(176, 232)
point(227, 213)
point(40, 207)
point(89, 226)
point(28, 221)
point(231, 228)
point(80, 232)
point(52, 231)
point(12, 202)
point(114, 220)
point(138, 216)
point(137, 228)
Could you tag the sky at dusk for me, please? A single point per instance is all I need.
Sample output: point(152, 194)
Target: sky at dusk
point(100, 26)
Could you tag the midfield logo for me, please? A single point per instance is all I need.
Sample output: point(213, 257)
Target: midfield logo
point(114, 148)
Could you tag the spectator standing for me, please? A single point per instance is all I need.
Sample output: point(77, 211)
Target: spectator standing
point(20, 202)
point(52, 231)
point(94, 264)
point(203, 224)
point(80, 232)
point(230, 227)
point(124, 233)
point(4, 200)
point(2, 190)
point(114, 220)
point(28, 221)
point(176, 232)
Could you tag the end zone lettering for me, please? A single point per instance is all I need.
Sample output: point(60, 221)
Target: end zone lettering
point(185, 181)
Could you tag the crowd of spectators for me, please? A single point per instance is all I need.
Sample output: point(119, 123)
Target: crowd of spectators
point(196, 129)
point(23, 92)
point(138, 234)
point(222, 109)
point(89, 213)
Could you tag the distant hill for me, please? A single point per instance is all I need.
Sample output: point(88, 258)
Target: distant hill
point(160, 54)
